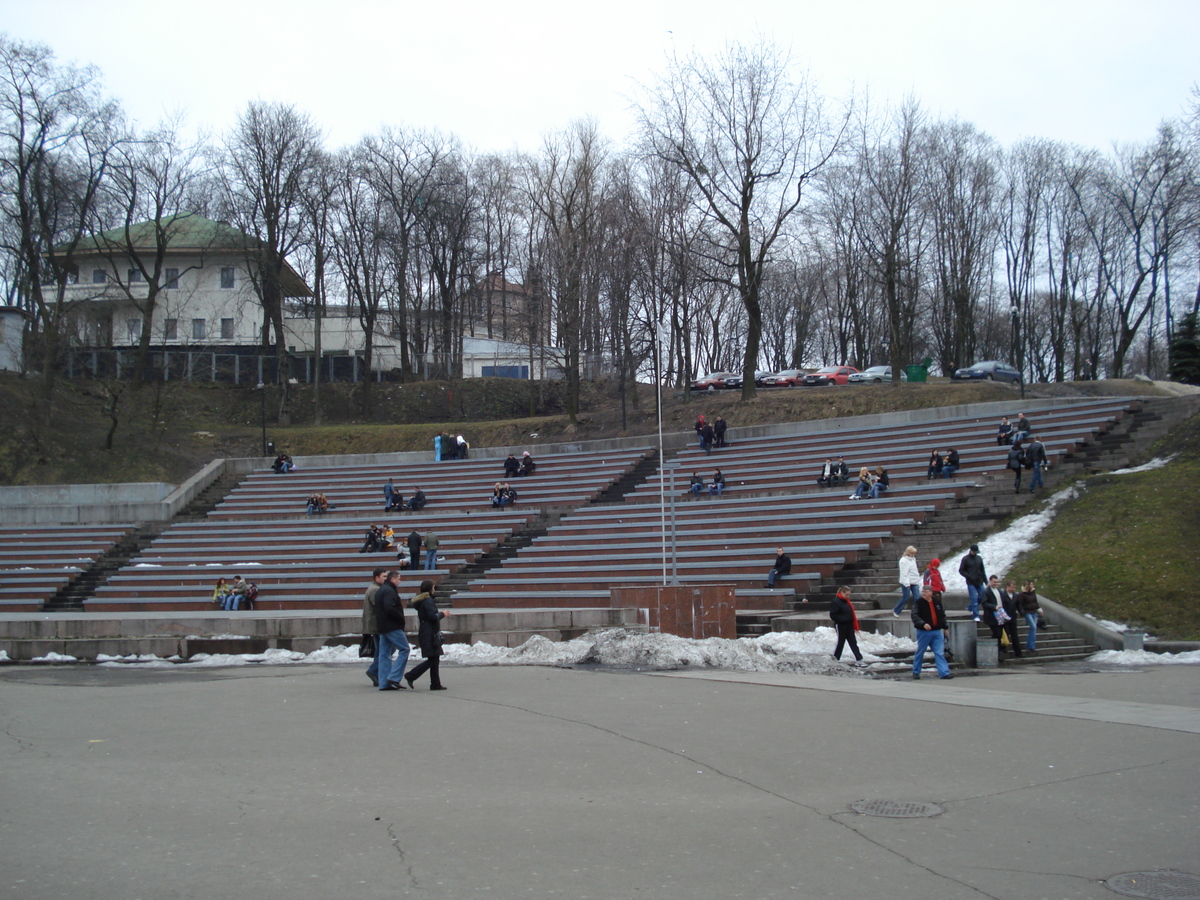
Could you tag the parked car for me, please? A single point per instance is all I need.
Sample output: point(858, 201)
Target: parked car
point(761, 376)
point(733, 381)
point(988, 371)
point(875, 375)
point(711, 382)
point(830, 375)
point(785, 377)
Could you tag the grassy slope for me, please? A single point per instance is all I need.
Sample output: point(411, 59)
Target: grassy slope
point(1127, 549)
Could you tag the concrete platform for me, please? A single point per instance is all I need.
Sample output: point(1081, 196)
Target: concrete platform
point(286, 782)
point(26, 636)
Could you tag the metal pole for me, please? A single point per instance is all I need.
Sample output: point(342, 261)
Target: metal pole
point(674, 547)
point(262, 395)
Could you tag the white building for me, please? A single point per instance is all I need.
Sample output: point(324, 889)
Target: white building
point(207, 297)
point(12, 328)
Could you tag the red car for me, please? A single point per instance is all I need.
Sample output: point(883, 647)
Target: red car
point(787, 376)
point(831, 375)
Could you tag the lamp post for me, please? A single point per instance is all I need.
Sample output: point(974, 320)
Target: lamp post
point(262, 396)
point(1015, 312)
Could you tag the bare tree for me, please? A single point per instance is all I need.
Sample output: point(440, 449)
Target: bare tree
point(750, 138)
point(151, 189)
point(269, 156)
point(889, 222)
point(56, 138)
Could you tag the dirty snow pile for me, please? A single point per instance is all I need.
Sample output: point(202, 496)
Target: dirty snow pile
point(1144, 658)
point(804, 652)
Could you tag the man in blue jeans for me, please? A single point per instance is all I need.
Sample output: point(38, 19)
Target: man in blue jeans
point(431, 548)
point(1037, 456)
point(929, 619)
point(971, 569)
point(389, 619)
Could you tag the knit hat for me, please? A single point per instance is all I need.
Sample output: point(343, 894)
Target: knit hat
point(934, 563)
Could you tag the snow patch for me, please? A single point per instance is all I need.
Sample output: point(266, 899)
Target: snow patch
point(1001, 550)
point(54, 657)
point(1145, 658)
point(1157, 463)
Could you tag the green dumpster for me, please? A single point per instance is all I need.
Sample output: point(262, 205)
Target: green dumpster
point(916, 373)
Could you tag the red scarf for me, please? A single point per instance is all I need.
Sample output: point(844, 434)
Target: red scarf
point(853, 614)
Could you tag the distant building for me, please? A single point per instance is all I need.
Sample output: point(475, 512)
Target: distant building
point(207, 296)
point(12, 336)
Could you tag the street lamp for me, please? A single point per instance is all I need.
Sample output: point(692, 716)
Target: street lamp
point(1015, 312)
point(262, 396)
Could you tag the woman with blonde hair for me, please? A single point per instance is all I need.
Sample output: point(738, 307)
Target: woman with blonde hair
point(864, 484)
point(910, 581)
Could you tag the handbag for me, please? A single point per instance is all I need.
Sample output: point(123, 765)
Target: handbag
point(437, 639)
point(367, 649)
point(1004, 641)
point(1002, 615)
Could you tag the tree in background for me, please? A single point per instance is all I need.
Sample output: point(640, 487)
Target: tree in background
point(749, 138)
point(1185, 351)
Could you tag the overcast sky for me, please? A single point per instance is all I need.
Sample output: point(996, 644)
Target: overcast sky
point(501, 75)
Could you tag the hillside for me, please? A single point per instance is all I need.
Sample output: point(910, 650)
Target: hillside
point(165, 432)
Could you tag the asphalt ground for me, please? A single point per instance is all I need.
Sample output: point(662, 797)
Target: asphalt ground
point(302, 781)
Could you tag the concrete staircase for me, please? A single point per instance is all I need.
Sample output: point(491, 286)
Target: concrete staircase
point(121, 554)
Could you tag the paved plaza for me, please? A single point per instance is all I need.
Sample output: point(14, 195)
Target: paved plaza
point(302, 781)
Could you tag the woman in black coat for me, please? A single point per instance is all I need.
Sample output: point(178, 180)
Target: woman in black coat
point(430, 637)
point(841, 611)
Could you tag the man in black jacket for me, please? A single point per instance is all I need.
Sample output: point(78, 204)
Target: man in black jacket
point(1035, 454)
point(389, 618)
point(783, 566)
point(971, 569)
point(929, 619)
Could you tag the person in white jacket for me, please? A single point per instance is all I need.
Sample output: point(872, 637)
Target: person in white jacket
point(910, 581)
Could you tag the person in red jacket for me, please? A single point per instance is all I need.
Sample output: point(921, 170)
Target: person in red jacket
point(932, 579)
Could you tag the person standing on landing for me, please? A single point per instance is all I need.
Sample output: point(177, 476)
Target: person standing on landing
point(845, 620)
point(1029, 608)
point(431, 548)
point(910, 580)
point(430, 637)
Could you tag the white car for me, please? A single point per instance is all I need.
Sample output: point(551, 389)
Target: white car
point(875, 375)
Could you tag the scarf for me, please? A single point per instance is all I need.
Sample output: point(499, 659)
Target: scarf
point(853, 614)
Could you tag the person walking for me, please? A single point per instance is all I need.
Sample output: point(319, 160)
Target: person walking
point(1015, 463)
point(845, 620)
point(429, 635)
point(910, 580)
point(431, 548)
point(929, 619)
point(1030, 609)
point(389, 619)
point(370, 622)
point(1008, 597)
point(1035, 454)
point(972, 571)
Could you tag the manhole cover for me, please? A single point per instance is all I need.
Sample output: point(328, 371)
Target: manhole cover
point(896, 809)
point(1165, 885)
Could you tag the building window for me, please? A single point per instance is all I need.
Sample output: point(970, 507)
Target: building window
point(134, 276)
point(134, 327)
point(172, 281)
point(198, 330)
point(171, 330)
point(99, 276)
point(227, 329)
point(227, 277)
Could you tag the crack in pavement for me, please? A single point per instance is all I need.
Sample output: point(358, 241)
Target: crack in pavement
point(828, 817)
point(394, 838)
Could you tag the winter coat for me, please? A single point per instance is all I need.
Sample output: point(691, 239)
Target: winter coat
point(909, 573)
point(971, 569)
point(430, 618)
point(389, 611)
